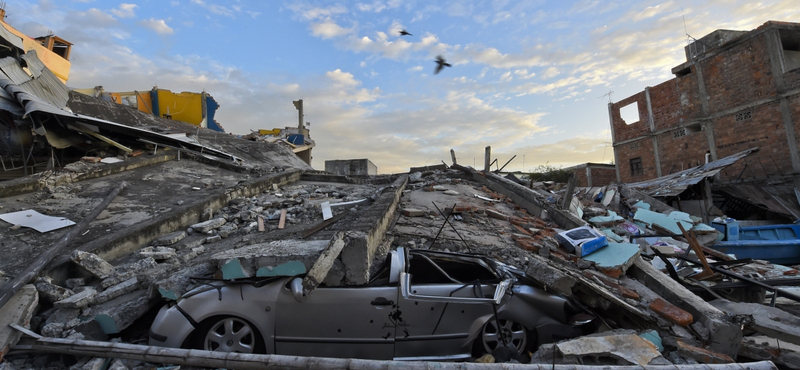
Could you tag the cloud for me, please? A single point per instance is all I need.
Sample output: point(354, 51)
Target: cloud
point(328, 29)
point(415, 69)
point(217, 9)
point(125, 10)
point(158, 26)
point(312, 13)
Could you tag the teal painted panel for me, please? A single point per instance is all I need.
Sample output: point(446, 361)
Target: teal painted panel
point(615, 254)
point(107, 324)
point(290, 268)
point(233, 270)
point(168, 294)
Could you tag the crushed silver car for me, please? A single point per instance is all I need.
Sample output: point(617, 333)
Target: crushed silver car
point(421, 305)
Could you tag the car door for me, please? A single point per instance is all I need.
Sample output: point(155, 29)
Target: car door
point(439, 315)
point(344, 322)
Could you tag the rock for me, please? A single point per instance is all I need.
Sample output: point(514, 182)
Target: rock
point(75, 282)
point(213, 239)
point(92, 263)
point(439, 188)
point(53, 330)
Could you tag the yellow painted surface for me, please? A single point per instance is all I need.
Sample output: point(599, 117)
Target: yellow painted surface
point(58, 65)
point(184, 106)
point(145, 103)
point(275, 131)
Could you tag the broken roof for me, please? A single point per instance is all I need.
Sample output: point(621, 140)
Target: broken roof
point(675, 183)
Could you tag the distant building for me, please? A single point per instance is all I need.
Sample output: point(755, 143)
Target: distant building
point(737, 90)
point(354, 167)
point(195, 108)
point(52, 50)
point(593, 174)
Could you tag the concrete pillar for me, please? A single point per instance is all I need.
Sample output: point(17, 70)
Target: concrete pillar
point(791, 135)
point(709, 125)
point(774, 48)
point(453, 156)
point(588, 176)
point(652, 123)
point(487, 159)
point(613, 139)
point(299, 105)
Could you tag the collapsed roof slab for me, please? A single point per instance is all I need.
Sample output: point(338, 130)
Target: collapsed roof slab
point(724, 336)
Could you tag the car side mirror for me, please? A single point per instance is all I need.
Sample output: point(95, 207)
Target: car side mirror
point(297, 289)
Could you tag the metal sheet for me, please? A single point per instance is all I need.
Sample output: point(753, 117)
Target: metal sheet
point(779, 199)
point(35, 220)
point(11, 38)
point(675, 183)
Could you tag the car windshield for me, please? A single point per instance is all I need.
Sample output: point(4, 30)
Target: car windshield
point(434, 268)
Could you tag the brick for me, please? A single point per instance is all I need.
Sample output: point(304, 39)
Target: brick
point(521, 230)
point(91, 159)
point(702, 355)
point(671, 312)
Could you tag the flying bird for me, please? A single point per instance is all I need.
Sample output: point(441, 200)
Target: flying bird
point(405, 33)
point(440, 64)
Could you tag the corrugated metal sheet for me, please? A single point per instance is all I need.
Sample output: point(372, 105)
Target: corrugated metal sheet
point(46, 96)
point(11, 38)
point(675, 183)
point(779, 199)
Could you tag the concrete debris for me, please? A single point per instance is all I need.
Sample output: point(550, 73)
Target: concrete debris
point(78, 300)
point(702, 355)
point(115, 291)
point(770, 321)
point(19, 310)
point(206, 226)
point(169, 239)
point(51, 293)
point(611, 349)
point(93, 264)
point(157, 253)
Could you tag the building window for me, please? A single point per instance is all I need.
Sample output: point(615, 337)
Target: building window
point(790, 41)
point(636, 166)
point(633, 146)
point(679, 133)
point(630, 113)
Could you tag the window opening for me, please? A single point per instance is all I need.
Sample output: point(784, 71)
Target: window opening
point(790, 41)
point(630, 113)
point(636, 166)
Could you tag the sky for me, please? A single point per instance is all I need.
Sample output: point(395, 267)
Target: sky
point(528, 78)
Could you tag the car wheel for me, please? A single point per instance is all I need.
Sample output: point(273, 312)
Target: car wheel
point(228, 334)
point(515, 335)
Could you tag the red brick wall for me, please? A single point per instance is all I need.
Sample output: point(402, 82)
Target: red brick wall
point(640, 148)
point(603, 176)
point(629, 130)
point(683, 152)
point(739, 74)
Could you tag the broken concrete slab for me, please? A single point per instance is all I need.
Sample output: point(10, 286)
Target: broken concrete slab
point(157, 253)
point(18, 310)
point(77, 300)
point(52, 293)
point(725, 336)
point(92, 263)
point(770, 321)
point(615, 259)
point(264, 258)
point(760, 348)
point(625, 348)
point(412, 212)
point(172, 283)
point(206, 226)
point(319, 271)
point(660, 221)
point(115, 291)
point(170, 238)
point(128, 271)
point(119, 313)
point(541, 269)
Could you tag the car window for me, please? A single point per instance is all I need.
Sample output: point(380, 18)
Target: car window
point(381, 277)
point(440, 269)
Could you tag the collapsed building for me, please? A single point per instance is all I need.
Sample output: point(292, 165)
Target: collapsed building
point(136, 210)
point(737, 90)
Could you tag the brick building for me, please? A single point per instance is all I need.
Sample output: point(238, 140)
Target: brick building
point(593, 174)
point(736, 90)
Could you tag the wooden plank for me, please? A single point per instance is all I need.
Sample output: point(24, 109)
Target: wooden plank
point(282, 222)
point(261, 226)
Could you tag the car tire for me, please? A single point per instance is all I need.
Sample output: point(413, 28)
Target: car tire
point(490, 339)
point(228, 334)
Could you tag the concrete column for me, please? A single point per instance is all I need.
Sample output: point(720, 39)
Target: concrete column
point(613, 139)
point(487, 159)
point(453, 156)
point(709, 127)
point(299, 105)
point(588, 176)
point(791, 135)
point(651, 122)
